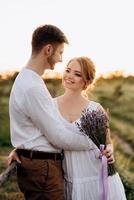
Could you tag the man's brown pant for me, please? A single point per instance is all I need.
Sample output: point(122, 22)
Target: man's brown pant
point(41, 179)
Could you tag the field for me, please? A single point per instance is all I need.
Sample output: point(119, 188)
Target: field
point(116, 94)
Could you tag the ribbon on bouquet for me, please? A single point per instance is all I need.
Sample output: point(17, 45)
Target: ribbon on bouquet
point(103, 179)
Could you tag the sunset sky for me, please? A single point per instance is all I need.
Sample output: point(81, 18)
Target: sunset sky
point(100, 29)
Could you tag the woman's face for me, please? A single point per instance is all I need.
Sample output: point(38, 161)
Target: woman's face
point(72, 77)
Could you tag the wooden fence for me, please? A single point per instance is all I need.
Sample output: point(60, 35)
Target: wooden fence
point(9, 171)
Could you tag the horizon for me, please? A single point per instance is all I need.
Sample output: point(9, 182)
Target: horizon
point(52, 74)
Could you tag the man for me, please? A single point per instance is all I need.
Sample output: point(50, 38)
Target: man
point(36, 132)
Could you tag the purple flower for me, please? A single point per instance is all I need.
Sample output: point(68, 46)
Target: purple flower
point(95, 125)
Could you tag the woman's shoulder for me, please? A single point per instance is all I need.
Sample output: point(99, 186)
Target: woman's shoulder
point(94, 105)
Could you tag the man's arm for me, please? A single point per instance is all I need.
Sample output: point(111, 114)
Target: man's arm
point(13, 156)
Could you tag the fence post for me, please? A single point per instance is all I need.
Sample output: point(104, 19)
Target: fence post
point(9, 171)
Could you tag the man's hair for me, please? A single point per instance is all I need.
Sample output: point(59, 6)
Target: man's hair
point(47, 34)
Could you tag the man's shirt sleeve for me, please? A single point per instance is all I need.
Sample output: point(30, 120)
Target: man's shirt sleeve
point(39, 107)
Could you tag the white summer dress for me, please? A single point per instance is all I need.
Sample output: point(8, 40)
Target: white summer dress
point(81, 170)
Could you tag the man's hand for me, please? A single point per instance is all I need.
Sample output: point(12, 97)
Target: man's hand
point(108, 152)
point(13, 156)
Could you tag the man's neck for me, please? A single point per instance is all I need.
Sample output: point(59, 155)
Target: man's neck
point(36, 66)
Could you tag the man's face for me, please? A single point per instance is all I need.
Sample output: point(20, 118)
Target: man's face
point(56, 56)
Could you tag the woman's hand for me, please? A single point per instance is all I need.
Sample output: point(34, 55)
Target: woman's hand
point(13, 156)
point(108, 152)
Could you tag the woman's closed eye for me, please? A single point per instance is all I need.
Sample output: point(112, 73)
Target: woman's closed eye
point(76, 74)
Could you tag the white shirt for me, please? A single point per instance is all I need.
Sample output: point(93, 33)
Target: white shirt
point(34, 122)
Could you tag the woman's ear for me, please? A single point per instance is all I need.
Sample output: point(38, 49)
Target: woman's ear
point(87, 83)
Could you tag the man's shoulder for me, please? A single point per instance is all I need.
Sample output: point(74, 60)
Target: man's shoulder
point(27, 79)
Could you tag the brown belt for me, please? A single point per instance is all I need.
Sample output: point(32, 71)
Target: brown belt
point(39, 154)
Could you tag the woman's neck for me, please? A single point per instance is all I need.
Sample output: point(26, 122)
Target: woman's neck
point(72, 95)
point(71, 104)
point(73, 98)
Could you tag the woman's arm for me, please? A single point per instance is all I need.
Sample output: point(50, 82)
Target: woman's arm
point(108, 152)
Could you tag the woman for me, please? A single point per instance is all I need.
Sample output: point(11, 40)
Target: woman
point(81, 168)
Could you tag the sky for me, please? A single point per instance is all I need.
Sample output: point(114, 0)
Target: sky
point(100, 29)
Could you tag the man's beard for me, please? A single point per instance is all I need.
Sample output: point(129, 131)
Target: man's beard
point(51, 62)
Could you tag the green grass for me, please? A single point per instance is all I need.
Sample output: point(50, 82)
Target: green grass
point(125, 130)
point(125, 166)
point(117, 94)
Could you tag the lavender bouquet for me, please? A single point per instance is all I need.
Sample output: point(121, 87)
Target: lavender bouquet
point(95, 125)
